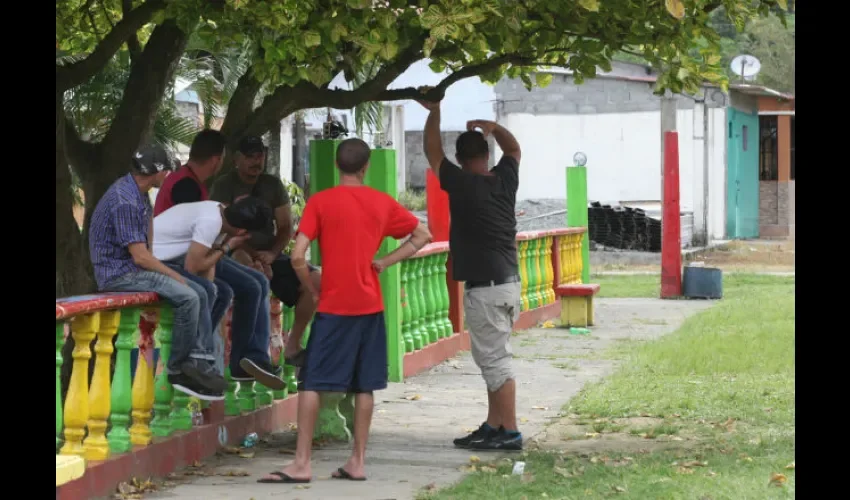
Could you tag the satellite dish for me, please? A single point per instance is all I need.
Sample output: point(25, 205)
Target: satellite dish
point(745, 66)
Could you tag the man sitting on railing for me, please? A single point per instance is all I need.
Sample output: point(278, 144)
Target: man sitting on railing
point(120, 241)
point(347, 349)
point(192, 238)
point(264, 250)
point(482, 240)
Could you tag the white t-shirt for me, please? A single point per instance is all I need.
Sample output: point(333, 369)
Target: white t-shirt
point(180, 225)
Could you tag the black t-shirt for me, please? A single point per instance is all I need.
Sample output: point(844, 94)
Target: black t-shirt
point(482, 236)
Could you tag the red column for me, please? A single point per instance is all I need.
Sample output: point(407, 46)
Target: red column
point(438, 223)
point(671, 222)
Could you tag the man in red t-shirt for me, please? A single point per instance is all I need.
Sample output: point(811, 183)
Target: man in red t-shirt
point(347, 349)
point(186, 184)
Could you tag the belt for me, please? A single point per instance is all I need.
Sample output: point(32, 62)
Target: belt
point(476, 284)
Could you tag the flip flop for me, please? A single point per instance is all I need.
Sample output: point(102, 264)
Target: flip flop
point(284, 478)
point(343, 474)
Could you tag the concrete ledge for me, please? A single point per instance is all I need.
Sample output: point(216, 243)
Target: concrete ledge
point(166, 455)
point(433, 354)
point(530, 319)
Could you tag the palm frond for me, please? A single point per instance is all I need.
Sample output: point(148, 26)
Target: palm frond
point(367, 115)
point(171, 129)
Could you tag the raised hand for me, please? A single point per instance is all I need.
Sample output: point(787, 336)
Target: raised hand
point(429, 105)
point(486, 126)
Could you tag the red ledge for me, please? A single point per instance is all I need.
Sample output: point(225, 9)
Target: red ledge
point(577, 290)
point(534, 235)
point(82, 304)
point(433, 354)
point(165, 455)
point(431, 249)
point(530, 319)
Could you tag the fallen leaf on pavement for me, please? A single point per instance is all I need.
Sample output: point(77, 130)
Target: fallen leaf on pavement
point(539, 407)
point(791, 465)
point(430, 486)
point(684, 470)
point(413, 397)
point(246, 454)
point(694, 463)
point(488, 469)
point(382, 411)
point(619, 489)
point(777, 479)
point(232, 450)
point(591, 434)
point(473, 459)
point(548, 324)
point(677, 438)
point(561, 472)
point(302, 487)
point(468, 468)
point(286, 451)
point(469, 429)
point(523, 420)
point(196, 464)
point(234, 473)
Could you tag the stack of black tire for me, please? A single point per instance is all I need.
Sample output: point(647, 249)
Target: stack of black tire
point(623, 228)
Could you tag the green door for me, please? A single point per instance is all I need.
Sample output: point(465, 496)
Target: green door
point(742, 202)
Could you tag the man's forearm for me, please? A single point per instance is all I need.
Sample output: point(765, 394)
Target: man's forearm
point(432, 141)
point(408, 249)
point(505, 139)
point(208, 262)
point(282, 238)
point(299, 265)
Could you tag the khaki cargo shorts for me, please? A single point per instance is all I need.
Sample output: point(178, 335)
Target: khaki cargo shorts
point(490, 316)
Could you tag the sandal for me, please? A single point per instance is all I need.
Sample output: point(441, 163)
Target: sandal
point(284, 478)
point(343, 474)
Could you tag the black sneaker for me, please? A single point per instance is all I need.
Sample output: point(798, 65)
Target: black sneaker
point(502, 440)
point(204, 373)
point(478, 434)
point(187, 385)
point(264, 372)
point(237, 374)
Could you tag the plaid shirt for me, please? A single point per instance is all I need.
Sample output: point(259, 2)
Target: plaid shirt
point(121, 217)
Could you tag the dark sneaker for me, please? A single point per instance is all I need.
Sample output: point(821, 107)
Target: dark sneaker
point(264, 373)
point(187, 385)
point(502, 440)
point(204, 373)
point(480, 433)
point(237, 374)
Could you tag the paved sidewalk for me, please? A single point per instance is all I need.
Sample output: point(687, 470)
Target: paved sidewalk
point(411, 443)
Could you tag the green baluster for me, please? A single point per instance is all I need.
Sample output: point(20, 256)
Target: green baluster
point(430, 298)
point(405, 307)
point(422, 323)
point(122, 394)
point(291, 381)
point(163, 392)
point(533, 297)
point(246, 397)
point(447, 328)
point(415, 327)
point(60, 340)
point(263, 394)
point(231, 404)
point(540, 252)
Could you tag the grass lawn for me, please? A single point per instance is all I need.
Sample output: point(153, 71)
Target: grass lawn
point(649, 285)
point(720, 390)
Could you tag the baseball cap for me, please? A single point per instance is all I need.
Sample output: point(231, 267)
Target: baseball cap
point(250, 145)
point(151, 159)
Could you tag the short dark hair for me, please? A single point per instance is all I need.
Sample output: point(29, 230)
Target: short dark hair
point(249, 213)
point(352, 155)
point(207, 143)
point(471, 145)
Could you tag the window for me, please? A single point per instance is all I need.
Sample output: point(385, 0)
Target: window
point(744, 137)
point(792, 149)
point(768, 147)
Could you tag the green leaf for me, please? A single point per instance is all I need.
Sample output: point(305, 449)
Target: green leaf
point(337, 32)
point(526, 80)
point(359, 4)
point(543, 79)
point(437, 66)
point(591, 5)
point(432, 17)
point(712, 59)
point(428, 47)
point(311, 38)
point(783, 4)
point(388, 51)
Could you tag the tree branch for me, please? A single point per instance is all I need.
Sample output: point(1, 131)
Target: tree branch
point(81, 154)
point(241, 104)
point(77, 73)
point(133, 40)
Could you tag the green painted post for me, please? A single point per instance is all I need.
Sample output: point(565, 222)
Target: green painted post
point(231, 403)
point(122, 393)
point(246, 397)
point(532, 275)
point(60, 340)
point(163, 392)
point(263, 394)
point(421, 307)
point(540, 258)
point(577, 213)
point(382, 175)
point(444, 295)
point(430, 298)
point(323, 175)
point(405, 306)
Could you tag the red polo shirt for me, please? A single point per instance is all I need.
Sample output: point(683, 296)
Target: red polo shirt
point(182, 186)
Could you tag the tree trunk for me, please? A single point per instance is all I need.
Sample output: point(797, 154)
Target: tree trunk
point(73, 271)
point(299, 162)
point(273, 156)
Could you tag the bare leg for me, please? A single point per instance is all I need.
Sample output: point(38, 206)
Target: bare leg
point(363, 406)
point(494, 414)
point(308, 410)
point(304, 310)
point(505, 399)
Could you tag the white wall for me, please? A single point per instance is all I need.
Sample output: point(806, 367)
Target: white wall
point(623, 157)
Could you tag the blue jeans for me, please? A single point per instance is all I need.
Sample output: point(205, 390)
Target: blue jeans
point(250, 323)
point(220, 295)
point(187, 301)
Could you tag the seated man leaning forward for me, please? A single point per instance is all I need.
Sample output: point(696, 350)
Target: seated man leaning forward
point(347, 349)
point(120, 241)
point(264, 249)
point(192, 238)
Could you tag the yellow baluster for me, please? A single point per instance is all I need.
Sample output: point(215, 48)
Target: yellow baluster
point(83, 330)
point(95, 445)
point(565, 259)
point(549, 291)
point(522, 250)
point(143, 388)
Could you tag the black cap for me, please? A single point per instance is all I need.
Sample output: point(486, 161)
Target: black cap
point(250, 145)
point(248, 213)
point(152, 159)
